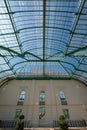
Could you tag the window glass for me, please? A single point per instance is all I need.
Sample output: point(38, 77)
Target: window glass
point(66, 113)
point(42, 113)
point(17, 113)
point(42, 96)
point(22, 96)
point(62, 98)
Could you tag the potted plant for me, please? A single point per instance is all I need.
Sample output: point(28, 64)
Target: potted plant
point(20, 123)
point(62, 124)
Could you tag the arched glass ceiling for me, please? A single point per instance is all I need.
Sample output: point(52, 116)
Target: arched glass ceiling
point(46, 38)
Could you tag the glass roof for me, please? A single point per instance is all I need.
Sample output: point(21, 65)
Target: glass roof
point(43, 38)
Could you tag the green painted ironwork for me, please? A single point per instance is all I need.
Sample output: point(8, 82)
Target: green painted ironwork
point(49, 37)
point(75, 24)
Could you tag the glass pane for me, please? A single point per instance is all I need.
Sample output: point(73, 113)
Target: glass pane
point(66, 113)
point(42, 96)
point(42, 113)
point(18, 112)
point(62, 96)
point(22, 96)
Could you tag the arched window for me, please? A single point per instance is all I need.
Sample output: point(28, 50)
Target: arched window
point(42, 98)
point(21, 98)
point(62, 98)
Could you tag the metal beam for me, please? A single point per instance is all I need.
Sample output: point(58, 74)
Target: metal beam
point(44, 25)
point(18, 54)
point(13, 24)
point(76, 68)
point(49, 61)
point(10, 67)
point(64, 68)
point(56, 39)
point(57, 53)
point(75, 24)
point(43, 78)
point(77, 50)
point(24, 11)
point(18, 31)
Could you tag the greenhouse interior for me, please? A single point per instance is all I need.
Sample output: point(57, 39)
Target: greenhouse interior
point(43, 63)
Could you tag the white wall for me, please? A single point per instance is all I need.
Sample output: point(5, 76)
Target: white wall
point(75, 92)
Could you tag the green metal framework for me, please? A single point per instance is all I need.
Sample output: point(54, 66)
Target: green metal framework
point(43, 39)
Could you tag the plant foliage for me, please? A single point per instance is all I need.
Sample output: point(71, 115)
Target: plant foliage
point(62, 124)
point(20, 123)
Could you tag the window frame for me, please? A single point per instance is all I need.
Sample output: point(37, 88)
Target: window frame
point(62, 98)
point(42, 101)
point(21, 97)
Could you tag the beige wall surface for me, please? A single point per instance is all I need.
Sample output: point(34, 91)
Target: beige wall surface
point(75, 92)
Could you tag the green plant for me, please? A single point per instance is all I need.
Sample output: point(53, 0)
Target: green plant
point(20, 123)
point(21, 117)
point(61, 117)
point(62, 124)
